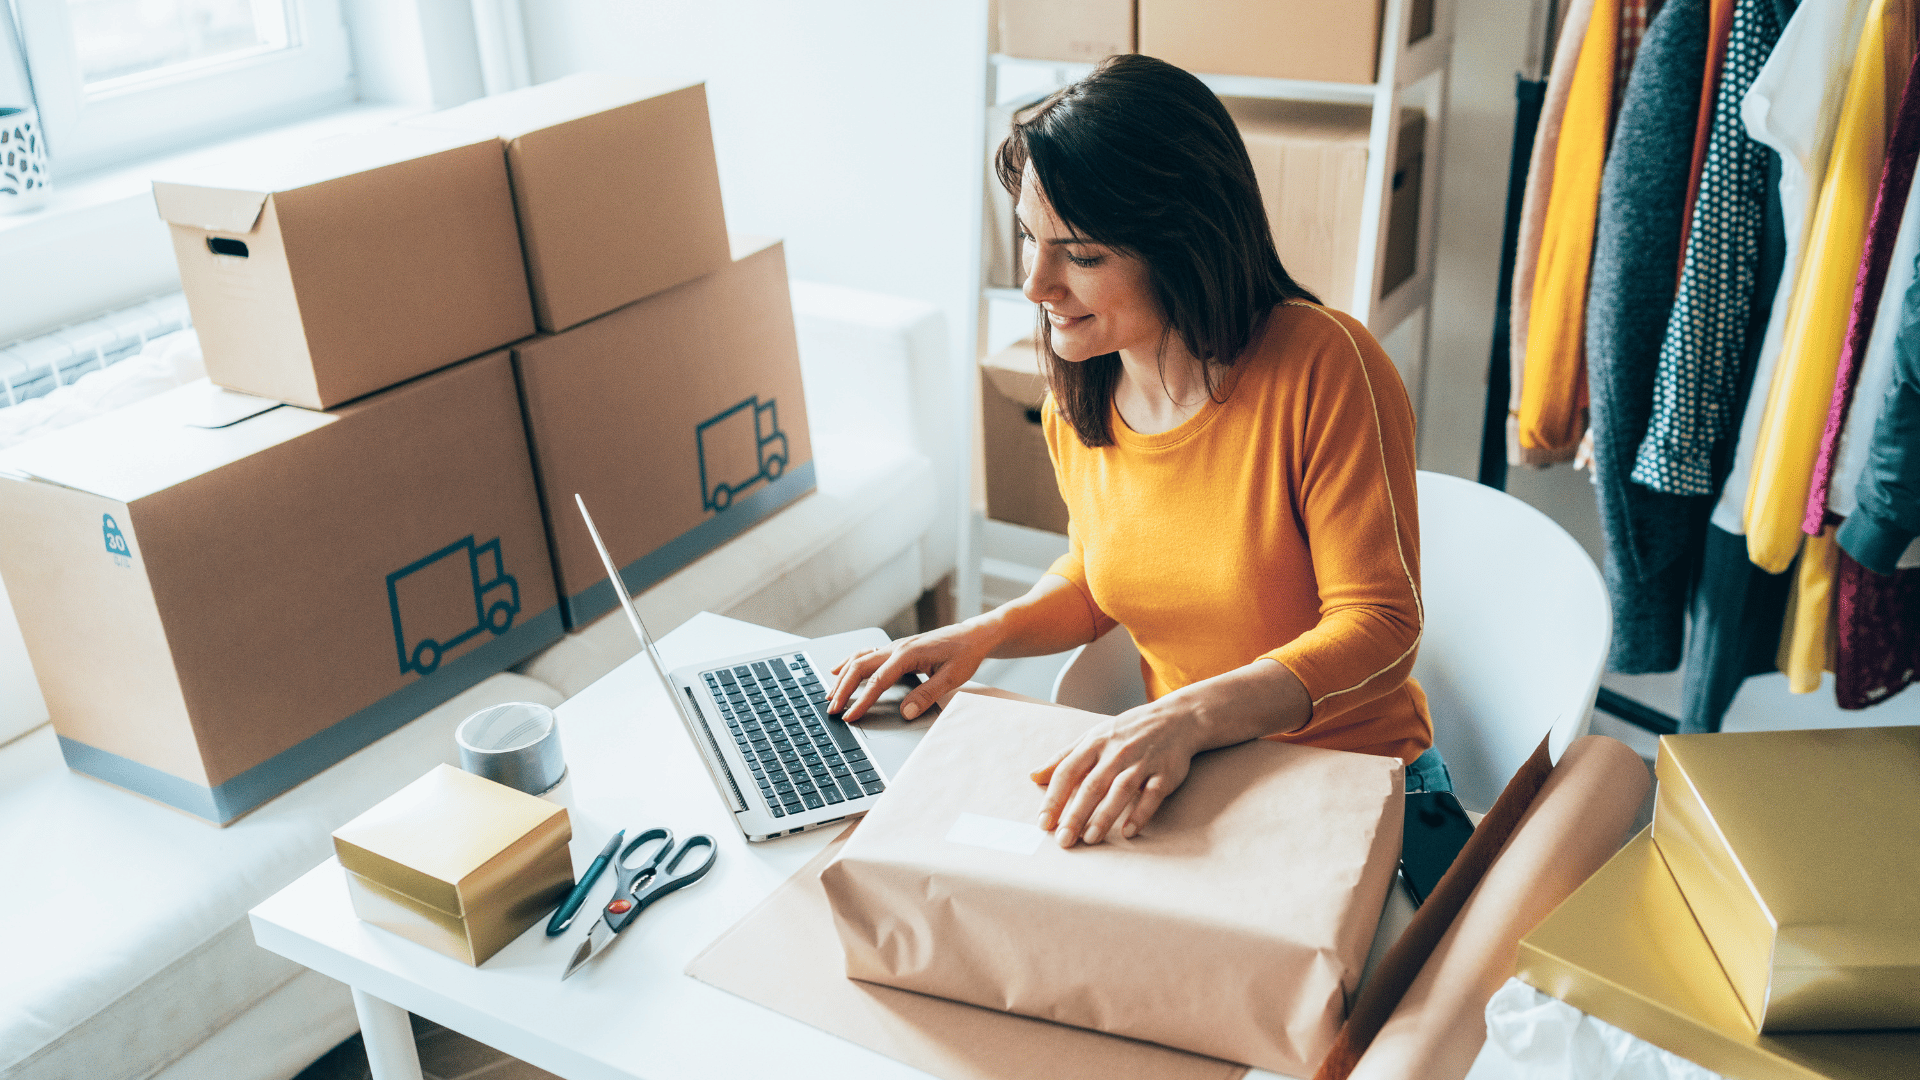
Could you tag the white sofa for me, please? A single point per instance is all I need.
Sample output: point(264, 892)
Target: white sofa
point(123, 931)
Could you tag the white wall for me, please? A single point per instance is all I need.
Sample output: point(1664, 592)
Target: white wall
point(848, 127)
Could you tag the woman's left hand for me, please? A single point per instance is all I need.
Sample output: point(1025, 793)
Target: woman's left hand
point(1115, 777)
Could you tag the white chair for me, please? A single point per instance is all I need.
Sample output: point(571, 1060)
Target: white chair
point(1517, 629)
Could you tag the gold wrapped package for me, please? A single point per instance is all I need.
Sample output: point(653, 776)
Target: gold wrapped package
point(457, 863)
point(1625, 949)
point(1235, 925)
point(1799, 854)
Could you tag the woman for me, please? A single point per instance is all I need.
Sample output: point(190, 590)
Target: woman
point(1237, 463)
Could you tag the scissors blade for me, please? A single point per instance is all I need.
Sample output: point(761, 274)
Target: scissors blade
point(598, 938)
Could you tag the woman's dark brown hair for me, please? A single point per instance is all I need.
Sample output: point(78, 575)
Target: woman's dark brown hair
point(1141, 157)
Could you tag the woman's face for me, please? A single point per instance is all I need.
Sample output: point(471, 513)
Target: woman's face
point(1097, 299)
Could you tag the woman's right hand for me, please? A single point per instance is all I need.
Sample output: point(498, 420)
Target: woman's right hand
point(948, 657)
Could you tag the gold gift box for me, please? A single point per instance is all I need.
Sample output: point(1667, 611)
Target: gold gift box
point(1624, 948)
point(1799, 854)
point(457, 863)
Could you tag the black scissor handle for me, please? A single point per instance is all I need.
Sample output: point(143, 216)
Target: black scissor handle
point(676, 876)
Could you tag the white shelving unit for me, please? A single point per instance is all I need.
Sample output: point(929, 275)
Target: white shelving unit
point(1408, 74)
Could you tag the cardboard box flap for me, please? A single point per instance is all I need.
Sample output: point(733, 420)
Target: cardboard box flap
point(215, 209)
point(154, 444)
point(228, 195)
point(509, 116)
point(430, 837)
point(1015, 372)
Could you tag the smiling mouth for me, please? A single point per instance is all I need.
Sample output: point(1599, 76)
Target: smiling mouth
point(1065, 320)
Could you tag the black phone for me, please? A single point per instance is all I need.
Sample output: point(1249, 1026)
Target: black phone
point(1436, 829)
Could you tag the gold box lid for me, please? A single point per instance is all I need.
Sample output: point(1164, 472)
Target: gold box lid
point(450, 837)
point(1625, 949)
point(1799, 854)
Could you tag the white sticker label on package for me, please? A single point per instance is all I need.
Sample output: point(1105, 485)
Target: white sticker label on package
point(1013, 837)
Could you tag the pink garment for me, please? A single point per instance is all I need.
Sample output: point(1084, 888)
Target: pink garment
point(1903, 150)
point(1877, 623)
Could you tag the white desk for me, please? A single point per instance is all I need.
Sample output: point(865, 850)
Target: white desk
point(631, 1013)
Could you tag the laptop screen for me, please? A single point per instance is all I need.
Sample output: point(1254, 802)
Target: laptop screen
point(633, 613)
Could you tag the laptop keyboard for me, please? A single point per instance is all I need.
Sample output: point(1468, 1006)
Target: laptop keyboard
point(802, 759)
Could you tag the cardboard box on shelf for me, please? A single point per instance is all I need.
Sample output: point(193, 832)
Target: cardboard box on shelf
point(1021, 487)
point(1808, 891)
point(1311, 161)
point(222, 596)
point(616, 184)
point(349, 265)
point(1078, 30)
point(680, 418)
point(1313, 40)
point(457, 863)
point(1260, 880)
point(1625, 948)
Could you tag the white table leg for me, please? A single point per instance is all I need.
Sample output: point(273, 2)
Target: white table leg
point(388, 1034)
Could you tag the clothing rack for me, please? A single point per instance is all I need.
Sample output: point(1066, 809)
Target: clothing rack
point(1529, 93)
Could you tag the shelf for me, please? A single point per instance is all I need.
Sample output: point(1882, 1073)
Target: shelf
point(1420, 60)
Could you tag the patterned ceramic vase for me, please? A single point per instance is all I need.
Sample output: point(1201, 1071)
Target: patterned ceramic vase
point(23, 159)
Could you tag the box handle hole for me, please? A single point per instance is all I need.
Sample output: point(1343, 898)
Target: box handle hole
point(221, 245)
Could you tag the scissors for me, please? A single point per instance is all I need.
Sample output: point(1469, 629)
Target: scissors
point(640, 884)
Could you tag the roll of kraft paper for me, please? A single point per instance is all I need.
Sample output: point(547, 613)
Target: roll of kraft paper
point(1576, 822)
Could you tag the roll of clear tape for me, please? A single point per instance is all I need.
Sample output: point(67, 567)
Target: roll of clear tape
point(516, 744)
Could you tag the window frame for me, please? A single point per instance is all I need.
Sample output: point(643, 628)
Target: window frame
point(138, 118)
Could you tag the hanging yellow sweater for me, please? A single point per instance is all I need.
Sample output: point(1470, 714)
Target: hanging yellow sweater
point(1817, 311)
point(1553, 393)
point(1815, 331)
point(1278, 523)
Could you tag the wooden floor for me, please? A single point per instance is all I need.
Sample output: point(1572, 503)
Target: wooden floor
point(444, 1055)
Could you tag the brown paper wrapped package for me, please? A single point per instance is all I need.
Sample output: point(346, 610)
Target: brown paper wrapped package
point(1575, 824)
point(1236, 925)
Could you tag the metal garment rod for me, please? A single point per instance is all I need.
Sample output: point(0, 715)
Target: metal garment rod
point(1528, 95)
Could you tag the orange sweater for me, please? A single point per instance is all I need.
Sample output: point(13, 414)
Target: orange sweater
point(1277, 523)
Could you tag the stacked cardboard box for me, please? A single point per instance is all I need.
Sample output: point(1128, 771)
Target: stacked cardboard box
point(1311, 161)
point(1282, 39)
point(665, 388)
point(1021, 487)
point(1765, 924)
point(1077, 30)
point(228, 588)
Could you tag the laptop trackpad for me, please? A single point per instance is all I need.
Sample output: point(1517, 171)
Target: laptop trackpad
point(892, 738)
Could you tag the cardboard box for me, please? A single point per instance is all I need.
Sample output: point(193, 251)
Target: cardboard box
point(222, 597)
point(349, 265)
point(1021, 485)
point(616, 184)
point(1625, 948)
point(1311, 161)
point(1078, 30)
point(1315, 40)
point(680, 418)
point(1235, 925)
point(457, 863)
point(1808, 888)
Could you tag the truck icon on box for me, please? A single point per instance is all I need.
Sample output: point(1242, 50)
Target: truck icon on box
point(448, 597)
point(739, 448)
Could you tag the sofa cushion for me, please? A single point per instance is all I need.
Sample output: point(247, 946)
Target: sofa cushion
point(131, 945)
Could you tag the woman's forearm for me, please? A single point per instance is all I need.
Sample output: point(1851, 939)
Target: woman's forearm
point(1250, 702)
point(1051, 617)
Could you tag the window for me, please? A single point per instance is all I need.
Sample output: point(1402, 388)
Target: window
point(124, 79)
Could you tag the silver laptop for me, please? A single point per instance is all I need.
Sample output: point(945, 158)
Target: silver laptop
point(760, 722)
